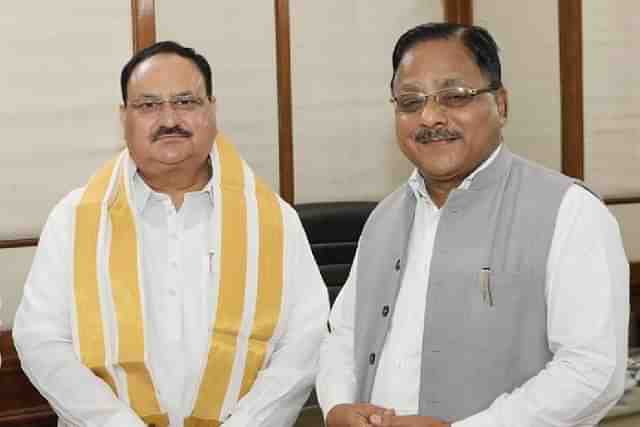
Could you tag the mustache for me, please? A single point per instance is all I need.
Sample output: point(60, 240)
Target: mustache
point(172, 131)
point(427, 135)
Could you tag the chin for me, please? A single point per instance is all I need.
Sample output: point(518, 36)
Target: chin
point(172, 159)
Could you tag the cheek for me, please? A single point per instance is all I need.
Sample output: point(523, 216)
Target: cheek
point(204, 124)
point(138, 134)
point(404, 126)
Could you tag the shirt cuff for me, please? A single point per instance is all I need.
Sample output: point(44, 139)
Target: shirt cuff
point(125, 419)
point(331, 393)
point(328, 405)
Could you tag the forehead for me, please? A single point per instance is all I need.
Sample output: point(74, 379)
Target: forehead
point(439, 63)
point(165, 74)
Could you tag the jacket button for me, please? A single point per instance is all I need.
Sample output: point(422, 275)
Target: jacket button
point(397, 265)
point(385, 311)
point(372, 358)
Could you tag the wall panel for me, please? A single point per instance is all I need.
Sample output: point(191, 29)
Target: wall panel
point(60, 102)
point(612, 97)
point(627, 216)
point(59, 118)
point(344, 140)
point(14, 266)
point(527, 34)
point(238, 39)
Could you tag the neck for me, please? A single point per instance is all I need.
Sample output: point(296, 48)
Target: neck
point(439, 191)
point(177, 183)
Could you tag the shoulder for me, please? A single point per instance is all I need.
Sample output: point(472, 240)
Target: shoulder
point(289, 214)
point(395, 200)
point(532, 170)
point(537, 181)
point(580, 201)
point(292, 225)
point(69, 202)
point(61, 216)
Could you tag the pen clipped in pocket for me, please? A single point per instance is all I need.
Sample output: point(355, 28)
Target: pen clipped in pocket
point(485, 286)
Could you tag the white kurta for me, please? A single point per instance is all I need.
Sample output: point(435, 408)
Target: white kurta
point(179, 266)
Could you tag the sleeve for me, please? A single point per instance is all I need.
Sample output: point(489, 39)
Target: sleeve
point(43, 337)
point(283, 386)
point(336, 381)
point(587, 293)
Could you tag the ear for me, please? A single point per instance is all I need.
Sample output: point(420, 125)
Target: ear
point(502, 101)
point(213, 113)
point(214, 105)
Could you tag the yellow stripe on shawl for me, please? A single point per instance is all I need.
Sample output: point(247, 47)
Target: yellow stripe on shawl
point(87, 292)
point(200, 422)
point(270, 280)
point(217, 374)
point(123, 269)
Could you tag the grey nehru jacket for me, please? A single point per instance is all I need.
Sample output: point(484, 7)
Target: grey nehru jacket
point(472, 351)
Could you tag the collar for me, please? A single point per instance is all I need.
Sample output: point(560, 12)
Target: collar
point(142, 193)
point(419, 188)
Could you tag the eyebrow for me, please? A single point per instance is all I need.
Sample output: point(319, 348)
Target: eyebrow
point(440, 84)
point(147, 96)
point(184, 93)
point(154, 96)
point(451, 82)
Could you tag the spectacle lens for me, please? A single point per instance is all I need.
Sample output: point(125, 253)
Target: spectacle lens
point(455, 97)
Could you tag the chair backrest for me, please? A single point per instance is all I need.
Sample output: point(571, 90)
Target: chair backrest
point(333, 229)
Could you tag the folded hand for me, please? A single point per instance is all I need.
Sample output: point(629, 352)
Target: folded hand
point(391, 420)
point(356, 415)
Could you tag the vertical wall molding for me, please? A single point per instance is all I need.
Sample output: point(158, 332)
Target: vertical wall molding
point(458, 11)
point(285, 127)
point(571, 87)
point(143, 24)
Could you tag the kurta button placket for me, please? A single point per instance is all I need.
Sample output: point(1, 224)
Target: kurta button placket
point(372, 358)
point(397, 266)
point(385, 311)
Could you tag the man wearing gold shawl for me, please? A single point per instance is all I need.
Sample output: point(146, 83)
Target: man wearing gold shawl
point(174, 289)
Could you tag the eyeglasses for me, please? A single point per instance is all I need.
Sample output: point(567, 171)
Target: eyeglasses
point(450, 97)
point(150, 105)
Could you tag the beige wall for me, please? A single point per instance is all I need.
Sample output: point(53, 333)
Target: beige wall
point(612, 96)
point(343, 122)
point(612, 108)
point(238, 39)
point(15, 265)
point(60, 92)
point(527, 34)
point(628, 218)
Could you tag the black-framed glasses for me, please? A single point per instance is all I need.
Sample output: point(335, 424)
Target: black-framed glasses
point(450, 97)
point(150, 105)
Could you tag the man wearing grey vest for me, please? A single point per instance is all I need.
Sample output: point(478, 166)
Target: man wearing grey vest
point(487, 290)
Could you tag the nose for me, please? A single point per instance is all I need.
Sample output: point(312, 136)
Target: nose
point(168, 115)
point(433, 114)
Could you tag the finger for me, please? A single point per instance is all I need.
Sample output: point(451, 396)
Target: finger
point(363, 422)
point(383, 419)
point(387, 417)
point(376, 419)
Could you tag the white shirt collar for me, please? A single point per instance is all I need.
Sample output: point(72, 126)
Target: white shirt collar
point(419, 188)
